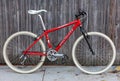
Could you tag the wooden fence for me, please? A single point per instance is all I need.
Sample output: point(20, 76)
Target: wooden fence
point(103, 16)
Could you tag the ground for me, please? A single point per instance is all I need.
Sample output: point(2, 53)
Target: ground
point(57, 73)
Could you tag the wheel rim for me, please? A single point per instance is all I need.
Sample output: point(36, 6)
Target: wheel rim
point(86, 57)
point(23, 39)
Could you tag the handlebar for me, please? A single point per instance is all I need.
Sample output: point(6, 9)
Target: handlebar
point(80, 13)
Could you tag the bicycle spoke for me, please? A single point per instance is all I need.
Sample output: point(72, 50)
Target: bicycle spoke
point(14, 49)
point(14, 59)
point(103, 53)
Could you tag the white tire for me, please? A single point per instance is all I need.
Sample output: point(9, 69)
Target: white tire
point(96, 34)
point(6, 56)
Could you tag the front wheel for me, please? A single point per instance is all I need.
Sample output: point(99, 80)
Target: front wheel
point(13, 52)
point(103, 49)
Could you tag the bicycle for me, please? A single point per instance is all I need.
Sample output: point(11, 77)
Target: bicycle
point(25, 52)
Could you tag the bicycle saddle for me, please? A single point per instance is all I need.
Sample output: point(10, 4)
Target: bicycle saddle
point(36, 11)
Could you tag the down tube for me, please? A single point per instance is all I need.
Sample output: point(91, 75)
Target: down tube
point(66, 37)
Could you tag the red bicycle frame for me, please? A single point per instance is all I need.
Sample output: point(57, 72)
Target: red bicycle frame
point(76, 23)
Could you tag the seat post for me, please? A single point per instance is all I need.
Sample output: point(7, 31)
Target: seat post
point(43, 25)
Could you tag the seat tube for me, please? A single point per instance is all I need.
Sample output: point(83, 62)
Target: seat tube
point(43, 25)
point(48, 41)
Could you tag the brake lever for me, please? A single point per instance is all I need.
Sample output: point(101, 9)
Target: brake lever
point(80, 12)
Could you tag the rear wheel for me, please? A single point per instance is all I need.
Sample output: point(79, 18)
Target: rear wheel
point(103, 48)
point(13, 52)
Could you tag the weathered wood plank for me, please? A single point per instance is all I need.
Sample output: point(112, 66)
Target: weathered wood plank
point(103, 16)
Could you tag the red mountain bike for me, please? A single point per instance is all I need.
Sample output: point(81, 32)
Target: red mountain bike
point(25, 52)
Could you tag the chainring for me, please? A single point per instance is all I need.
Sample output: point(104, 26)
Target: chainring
point(50, 55)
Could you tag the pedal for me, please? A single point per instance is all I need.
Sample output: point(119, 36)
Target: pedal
point(64, 59)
